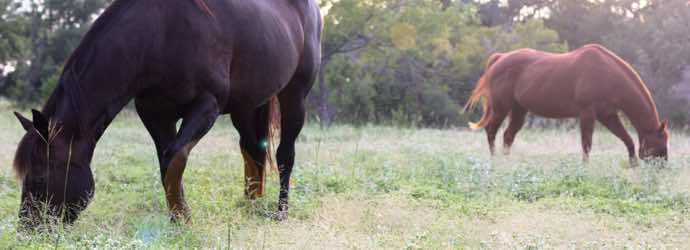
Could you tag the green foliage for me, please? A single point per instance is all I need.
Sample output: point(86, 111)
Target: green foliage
point(36, 38)
point(49, 85)
point(405, 63)
point(421, 61)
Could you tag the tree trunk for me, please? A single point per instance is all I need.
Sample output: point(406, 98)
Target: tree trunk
point(323, 106)
point(3, 81)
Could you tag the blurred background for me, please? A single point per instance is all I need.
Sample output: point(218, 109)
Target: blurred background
point(405, 63)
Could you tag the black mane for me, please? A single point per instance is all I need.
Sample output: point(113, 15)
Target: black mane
point(24, 155)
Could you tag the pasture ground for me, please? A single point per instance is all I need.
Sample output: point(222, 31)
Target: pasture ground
point(376, 187)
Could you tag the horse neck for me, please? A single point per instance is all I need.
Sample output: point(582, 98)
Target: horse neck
point(83, 116)
point(92, 90)
point(100, 77)
point(642, 113)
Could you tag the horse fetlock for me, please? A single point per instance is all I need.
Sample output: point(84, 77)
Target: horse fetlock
point(633, 162)
point(177, 205)
point(180, 213)
point(282, 213)
point(506, 149)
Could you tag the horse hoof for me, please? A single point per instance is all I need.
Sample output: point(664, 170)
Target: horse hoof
point(281, 216)
point(181, 219)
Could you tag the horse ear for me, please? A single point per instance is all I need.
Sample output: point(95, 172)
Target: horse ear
point(40, 123)
point(26, 123)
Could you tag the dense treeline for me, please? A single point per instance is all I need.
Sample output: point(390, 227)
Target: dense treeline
point(400, 62)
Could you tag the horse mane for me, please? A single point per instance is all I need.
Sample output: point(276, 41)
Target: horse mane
point(24, 154)
point(632, 73)
point(204, 7)
point(74, 67)
point(77, 63)
point(100, 25)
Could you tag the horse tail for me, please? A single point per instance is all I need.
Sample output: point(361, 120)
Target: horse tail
point(481, 92)
point(273, 130)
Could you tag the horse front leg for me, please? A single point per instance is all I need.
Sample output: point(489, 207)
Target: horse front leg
point(613, 122)
point(196, 122)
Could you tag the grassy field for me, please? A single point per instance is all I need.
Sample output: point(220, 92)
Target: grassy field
point(376, 187)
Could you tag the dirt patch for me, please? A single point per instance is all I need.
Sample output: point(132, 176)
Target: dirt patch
point(553, 228)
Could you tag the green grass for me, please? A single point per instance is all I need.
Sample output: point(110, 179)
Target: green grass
point(375, 187)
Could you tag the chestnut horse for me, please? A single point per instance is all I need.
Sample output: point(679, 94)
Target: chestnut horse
point(591, 83)
point(188, 60)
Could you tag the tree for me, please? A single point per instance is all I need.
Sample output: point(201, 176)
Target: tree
point(347, 28)
point(421, 61)
point(12, 41)
point(44, 32)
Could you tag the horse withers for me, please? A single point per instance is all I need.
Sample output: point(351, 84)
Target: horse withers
point(189, 60)
point(590, 83)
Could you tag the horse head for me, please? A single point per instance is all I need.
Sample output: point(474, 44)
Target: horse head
point(55, 182)
point(654, 144)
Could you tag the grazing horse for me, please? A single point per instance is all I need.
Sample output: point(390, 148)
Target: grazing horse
point(188, 60)
point(590, 83)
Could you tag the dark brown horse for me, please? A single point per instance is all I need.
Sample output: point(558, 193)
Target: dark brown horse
point(590, 83)
point(189, 60)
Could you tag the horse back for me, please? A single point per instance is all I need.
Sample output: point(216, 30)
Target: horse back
point(242, 50)
point(559, 85)
point(272, 40)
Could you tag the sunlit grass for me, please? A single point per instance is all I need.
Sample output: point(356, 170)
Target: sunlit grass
point(375, 187)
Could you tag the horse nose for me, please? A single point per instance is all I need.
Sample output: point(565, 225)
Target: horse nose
point(71, 214)
point(40, 216)
point(659, 161)
point(29, 219)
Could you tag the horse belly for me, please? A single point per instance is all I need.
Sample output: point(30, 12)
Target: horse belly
point(548, 100)
point(556, 111)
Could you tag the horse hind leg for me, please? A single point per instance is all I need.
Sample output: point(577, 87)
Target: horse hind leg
point(253, 125)
point(497, 118)
point(292, 117)
point(293, 114)
point(517, 120)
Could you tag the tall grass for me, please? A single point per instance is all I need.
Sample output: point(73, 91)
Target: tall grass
point(375, 187)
